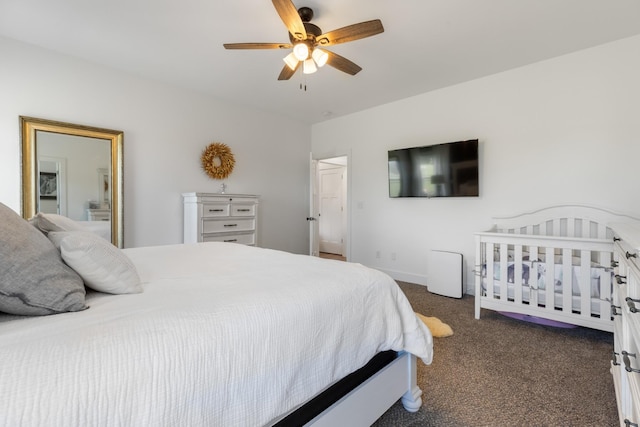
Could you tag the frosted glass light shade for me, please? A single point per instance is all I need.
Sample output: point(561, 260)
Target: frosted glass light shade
point(301, 51)
point(320, 56)
point(291, 61)
point(308, 66)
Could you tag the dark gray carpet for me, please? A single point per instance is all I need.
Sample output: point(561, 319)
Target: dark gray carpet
point(497, 371)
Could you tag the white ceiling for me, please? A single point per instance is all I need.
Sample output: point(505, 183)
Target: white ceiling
point(427, 44)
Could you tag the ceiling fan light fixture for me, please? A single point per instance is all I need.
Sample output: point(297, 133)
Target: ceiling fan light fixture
point(301, 51)
point(320, 56)
point(291, 61)
point(309, 67)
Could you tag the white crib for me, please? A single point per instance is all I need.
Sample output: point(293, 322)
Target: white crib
point(553, 263)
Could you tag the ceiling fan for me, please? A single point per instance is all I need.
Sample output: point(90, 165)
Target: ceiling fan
point(307, 41)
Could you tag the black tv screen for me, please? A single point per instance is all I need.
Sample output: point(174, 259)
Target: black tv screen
point(441, 170)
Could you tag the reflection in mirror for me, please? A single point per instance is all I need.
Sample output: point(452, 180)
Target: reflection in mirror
point(74, 171)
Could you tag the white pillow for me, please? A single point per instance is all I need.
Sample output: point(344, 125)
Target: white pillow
point(102, 266)
point(53, 222)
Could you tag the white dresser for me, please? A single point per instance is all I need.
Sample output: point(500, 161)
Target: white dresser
point(625, 365)
point(214, 217)
point(99, 214)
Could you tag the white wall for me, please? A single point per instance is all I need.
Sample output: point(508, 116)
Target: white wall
point(564, 130)
point(165, 130)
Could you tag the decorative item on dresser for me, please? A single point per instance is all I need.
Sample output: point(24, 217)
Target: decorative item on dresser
point(212, 217)
point(625, 364)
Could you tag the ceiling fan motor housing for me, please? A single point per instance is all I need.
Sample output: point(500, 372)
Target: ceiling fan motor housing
point(312, 30)
point(306, 14)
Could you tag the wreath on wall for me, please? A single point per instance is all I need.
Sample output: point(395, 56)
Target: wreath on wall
point(217, 160)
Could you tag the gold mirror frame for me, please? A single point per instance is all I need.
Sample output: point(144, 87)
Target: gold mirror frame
point(29, 126)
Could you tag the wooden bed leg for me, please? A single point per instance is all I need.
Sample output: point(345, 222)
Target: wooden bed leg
point(412, 400)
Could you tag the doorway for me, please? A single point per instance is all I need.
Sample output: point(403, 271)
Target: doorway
point(52, 188)
point(329, 207)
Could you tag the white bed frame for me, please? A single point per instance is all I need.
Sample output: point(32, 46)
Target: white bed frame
point(367, 402)
point(568, 231)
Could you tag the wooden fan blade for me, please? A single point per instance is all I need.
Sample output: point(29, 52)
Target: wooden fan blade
point(287, 72)
point(289, 15)
point(257, 46)
point(351, 33)
point(343, 64)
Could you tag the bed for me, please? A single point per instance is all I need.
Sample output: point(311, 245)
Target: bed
point(209, 334)
point(552, 266)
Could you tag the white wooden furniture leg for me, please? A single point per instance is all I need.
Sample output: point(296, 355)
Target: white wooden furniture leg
point(367, 402)
point(412, 399)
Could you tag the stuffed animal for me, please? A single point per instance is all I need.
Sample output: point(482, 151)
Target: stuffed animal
point(435, 325)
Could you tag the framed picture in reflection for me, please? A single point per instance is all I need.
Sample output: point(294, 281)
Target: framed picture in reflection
point(48, 185)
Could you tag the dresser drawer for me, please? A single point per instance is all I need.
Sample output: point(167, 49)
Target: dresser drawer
point(244, 239)
point(213, 211)
point(242, 210)
point(230, 225)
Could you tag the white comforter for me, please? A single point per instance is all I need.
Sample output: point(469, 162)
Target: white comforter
point(223, 335)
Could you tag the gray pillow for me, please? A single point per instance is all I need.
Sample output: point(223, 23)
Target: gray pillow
point(33, 278)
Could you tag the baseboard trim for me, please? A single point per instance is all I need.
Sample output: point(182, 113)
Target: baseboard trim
point(405, 277)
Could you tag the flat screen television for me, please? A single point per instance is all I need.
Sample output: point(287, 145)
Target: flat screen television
point(441, 170)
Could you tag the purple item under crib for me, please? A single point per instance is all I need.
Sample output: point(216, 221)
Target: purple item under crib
point(537, 320)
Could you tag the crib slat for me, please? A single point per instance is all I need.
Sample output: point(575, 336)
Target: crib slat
point(533, 275)
point(606, 298)
point(518, 281)
point(549, 278)
point(586, 228)
point(490, 249)
point(504, 271)
point(571, 227)
point(567, 281)
point(585, 283)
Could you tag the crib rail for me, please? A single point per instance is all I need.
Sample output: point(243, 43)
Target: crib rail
point(568, 220)
point(506, 255)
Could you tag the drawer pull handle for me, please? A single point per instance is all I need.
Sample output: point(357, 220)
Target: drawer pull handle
point(231, 225)
point(231, 240)
point(216, 210)
point(614, 358)
point(629, 423)
point(244, 210)
point(627, 361)
point(630, 302)
point(620, 279)
point(631, 255)
point(614, 310)
point(616, 239)
point(614, 264)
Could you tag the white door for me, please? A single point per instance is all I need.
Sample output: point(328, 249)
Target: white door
point(312, 219)
point(330, 178)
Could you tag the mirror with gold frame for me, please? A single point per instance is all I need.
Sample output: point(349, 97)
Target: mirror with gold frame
point(74, 171)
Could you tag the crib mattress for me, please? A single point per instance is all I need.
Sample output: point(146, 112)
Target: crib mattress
point(576, 304)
